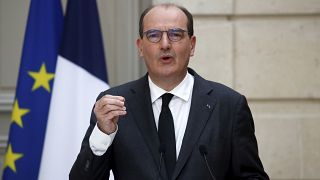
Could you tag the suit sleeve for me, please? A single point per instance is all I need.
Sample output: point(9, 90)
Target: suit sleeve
point(88, 165)
point(246, 162)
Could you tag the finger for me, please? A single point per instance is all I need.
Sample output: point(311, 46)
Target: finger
point(120, 98)
point(110, 117)
point(114, 114)
point(113, 99)
point(110, 100)
point(107, 108)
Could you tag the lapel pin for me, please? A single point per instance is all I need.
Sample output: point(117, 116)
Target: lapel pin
point(208, 106)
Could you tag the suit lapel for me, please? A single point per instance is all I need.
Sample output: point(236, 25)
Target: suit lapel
point(141, 108)
point(201, 108)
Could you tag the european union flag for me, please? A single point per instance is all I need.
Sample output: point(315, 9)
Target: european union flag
point(34, 88)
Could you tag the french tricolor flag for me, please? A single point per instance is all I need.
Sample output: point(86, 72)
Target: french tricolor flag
point(80, 76)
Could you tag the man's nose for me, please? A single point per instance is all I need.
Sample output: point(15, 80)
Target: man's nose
point(165, 41)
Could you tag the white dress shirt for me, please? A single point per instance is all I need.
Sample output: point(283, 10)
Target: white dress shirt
point(179, 106)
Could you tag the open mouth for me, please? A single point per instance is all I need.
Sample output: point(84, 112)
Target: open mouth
point(166, 58)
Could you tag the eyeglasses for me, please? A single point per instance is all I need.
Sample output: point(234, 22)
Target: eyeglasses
point(174, 35)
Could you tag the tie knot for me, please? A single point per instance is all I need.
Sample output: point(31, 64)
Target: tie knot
point(166, 98)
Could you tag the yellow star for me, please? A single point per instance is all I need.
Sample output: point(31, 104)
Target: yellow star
point(10, 159)
point(17, 113)
point(41, 78)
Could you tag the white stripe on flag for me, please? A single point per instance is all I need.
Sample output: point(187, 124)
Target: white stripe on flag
point(73, 97)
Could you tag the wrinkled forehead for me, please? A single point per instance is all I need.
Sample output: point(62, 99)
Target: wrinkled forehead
point(164, 17)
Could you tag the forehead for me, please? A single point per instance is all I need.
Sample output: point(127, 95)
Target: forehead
point(161, 17)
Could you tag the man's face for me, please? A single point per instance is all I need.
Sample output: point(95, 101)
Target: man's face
point(166, 59)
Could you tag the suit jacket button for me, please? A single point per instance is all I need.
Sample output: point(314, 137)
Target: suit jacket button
point(87, 165)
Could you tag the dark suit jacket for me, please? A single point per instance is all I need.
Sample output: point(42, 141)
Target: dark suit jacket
point(219, 118)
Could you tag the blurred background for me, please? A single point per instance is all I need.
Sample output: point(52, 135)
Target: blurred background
point(269, 50)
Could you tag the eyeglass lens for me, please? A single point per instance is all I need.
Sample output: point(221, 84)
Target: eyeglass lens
point(174, 35)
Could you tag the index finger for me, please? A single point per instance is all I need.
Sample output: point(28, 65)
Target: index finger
point(120, 98)
point(110, 100)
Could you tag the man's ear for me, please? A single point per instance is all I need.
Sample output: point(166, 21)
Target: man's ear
point(139, 47)
point(193, 40)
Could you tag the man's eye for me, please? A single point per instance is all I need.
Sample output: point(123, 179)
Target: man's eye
point(153, 35)
point(176, 34)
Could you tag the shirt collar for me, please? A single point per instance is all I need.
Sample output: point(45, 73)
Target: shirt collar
point(182, 90)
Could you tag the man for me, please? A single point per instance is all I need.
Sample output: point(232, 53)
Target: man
point(171, 123)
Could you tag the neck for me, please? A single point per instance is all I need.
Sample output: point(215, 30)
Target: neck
point(168, 83)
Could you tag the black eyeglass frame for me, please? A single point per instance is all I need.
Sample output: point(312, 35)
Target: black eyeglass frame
point(170, 34)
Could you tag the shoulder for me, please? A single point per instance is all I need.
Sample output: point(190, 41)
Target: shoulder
point(225, 97)
point(223, 90)
point(213, 88)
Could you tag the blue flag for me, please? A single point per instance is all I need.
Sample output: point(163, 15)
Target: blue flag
point(34, 89)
